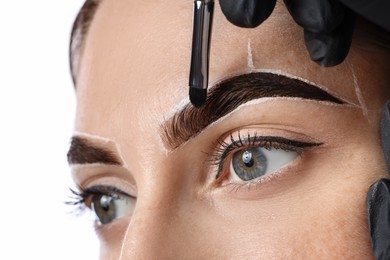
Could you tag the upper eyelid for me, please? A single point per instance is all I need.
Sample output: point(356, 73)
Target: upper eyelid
point(225, 125)
point(107, 190)
point(224, 149)
point(231, 118)
point(252, 140)
point(104, 175)
point(176, 131)
point(88, 194)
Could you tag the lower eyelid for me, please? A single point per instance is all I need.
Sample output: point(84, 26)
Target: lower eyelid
point(272, 175)
point(265, 183)
point(117, 227)
point(269, 174)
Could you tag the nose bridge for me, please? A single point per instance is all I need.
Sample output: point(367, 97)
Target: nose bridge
point(154, 230)
point(149, 235)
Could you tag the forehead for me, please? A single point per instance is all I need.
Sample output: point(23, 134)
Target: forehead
point(135, 67)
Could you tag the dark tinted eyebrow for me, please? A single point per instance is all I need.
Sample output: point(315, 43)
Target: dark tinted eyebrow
point(230, 94)
point(82, 151)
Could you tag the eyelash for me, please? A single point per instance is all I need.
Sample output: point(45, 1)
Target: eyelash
point(225, 149)
point(81, 198)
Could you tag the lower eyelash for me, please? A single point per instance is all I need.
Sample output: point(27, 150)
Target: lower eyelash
point(235, 187)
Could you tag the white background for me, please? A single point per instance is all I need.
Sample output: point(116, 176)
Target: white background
point(37, 106)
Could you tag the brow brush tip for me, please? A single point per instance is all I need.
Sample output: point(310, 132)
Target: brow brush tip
point(198, 96)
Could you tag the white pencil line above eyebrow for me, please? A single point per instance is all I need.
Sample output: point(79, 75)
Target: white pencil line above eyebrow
point(231, 93)
point(255, 102)
point(184, 102)
point(92, 136)
point(284, 74)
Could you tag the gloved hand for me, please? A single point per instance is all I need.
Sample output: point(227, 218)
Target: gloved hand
point(378, 199)
point(375, 11)
point(328, 25)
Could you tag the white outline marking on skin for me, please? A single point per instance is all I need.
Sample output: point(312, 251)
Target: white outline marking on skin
point(258, 101)
point(281, 73)
point(123, 241)
point(251, 66)
point(266, 100)
point(79, 166)
point(105, 140)
point(358, 92)
point(75, 167)
point(186, 101)
point(163, 147)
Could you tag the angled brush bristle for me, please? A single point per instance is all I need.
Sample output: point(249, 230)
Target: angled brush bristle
point(198, 96)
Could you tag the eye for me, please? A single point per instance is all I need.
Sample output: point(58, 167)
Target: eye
point(255, 162)
point(110, 207)
point(106, 202)
point(245, 158)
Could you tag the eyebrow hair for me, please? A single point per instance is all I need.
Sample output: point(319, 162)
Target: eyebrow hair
point(82, 151)
point(230, 94)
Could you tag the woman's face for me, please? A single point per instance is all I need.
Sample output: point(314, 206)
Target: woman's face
point(269, 176)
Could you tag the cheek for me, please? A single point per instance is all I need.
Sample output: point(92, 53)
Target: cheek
point(337, 232)
point(333, 222)
point(322, 215)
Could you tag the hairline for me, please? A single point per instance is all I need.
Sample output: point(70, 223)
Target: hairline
point(78, 36)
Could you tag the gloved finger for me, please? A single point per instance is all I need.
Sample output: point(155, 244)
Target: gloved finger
point(247, 13)
point(317, 16)
point(385, 133)
point(330, 49)
point(378, 206)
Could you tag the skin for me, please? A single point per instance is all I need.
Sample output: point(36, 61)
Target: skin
point(134, 71)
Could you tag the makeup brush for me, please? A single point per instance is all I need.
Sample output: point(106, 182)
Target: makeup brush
point(201, 35)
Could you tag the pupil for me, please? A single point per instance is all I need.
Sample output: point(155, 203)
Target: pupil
point(247, 159)
point(105, 203)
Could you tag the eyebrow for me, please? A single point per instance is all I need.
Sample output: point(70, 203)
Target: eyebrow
point(82, 151)
point(229, 95)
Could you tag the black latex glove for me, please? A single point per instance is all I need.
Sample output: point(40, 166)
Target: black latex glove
point(378, 199)
point(328, 25)
point(375, 11)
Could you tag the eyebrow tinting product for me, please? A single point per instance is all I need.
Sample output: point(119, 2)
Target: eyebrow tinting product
point(201, 36)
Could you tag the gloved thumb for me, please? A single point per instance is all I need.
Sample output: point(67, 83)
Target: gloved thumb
point(247, 13)
point(385, 133)
point(378, 198)
point(378, 206)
